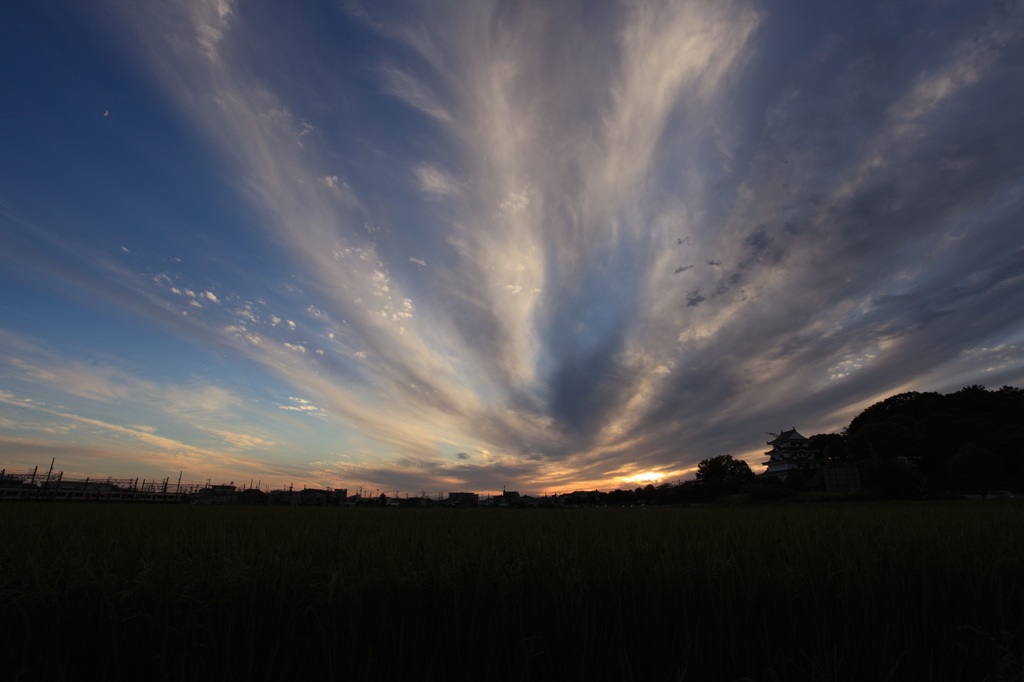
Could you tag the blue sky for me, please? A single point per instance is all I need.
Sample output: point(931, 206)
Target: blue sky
point(436, 246)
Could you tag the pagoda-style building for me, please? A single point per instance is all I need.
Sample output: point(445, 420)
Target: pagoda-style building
point(791, 452)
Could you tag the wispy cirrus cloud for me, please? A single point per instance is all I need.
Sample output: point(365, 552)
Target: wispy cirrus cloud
point(66, 395)
point(650, 226)
point(569, 334)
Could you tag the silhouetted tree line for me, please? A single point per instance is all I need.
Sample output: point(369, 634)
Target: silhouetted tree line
point(928, 444)
point(909, 446)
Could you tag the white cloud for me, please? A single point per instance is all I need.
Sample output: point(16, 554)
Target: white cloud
point(435, 181)
point(380, 282)
point(413, 92)
point(515, 202)
point(210, 19)
point(302, 405)
point(245, 441)
point(570, 170)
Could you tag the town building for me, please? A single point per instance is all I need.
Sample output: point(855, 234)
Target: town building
point(462, 499)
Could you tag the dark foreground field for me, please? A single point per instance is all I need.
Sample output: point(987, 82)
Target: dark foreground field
point(910, 592)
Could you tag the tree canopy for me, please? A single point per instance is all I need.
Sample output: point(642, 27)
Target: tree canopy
point(962, 441)
point(908, 445)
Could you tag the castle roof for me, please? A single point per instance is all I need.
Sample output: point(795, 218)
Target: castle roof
point(791, 434)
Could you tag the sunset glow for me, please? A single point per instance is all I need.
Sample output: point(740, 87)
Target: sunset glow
point(436, 246)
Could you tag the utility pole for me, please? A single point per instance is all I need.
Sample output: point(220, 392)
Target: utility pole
point(46, 485)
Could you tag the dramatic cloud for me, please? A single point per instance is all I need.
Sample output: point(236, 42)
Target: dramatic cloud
point(655, 230)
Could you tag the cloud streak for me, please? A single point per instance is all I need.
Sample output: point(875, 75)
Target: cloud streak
point(654, 230)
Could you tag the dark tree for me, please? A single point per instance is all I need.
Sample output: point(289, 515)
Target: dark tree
point(723, 474)
point(967, 440)
point(974, 469)
point(832, 446)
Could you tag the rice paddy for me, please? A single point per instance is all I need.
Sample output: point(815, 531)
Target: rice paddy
point(802, 592)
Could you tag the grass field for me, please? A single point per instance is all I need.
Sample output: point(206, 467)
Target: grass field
point(858, 592)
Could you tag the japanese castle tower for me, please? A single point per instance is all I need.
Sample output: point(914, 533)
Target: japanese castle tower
point(790, 451)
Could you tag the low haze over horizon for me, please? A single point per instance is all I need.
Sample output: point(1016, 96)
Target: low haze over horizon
point(457, 245)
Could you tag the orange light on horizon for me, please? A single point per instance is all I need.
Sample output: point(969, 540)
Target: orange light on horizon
point(644, 478)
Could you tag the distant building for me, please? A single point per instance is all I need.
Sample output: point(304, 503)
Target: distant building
point(581, 498)
point(251, 496)
point(285, 498)
point(463, 499)
point(508, 498)
point(314, 497)
point(791, 452)
point(216, 494)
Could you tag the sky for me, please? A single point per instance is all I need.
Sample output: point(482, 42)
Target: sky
point(419, 247)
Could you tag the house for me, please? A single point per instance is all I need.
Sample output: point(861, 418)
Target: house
point(224, 493)
point(791, 452)
point(251, 496)
point(285, 498)
point(315, 497)
point(462, 499)
point(508, 498)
